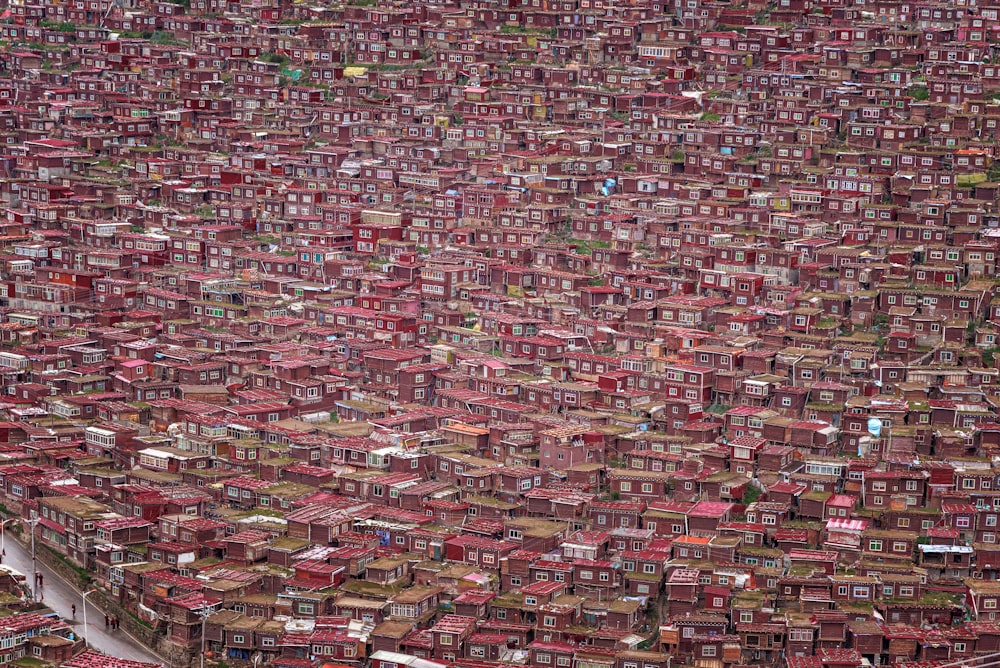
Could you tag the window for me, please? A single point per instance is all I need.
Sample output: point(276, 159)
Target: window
point(800, 635)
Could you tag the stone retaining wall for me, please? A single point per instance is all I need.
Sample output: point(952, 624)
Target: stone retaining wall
point(173, 655)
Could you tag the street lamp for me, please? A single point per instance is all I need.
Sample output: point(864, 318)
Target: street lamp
point(33, 522)
point(3, 545)
point(86, 631)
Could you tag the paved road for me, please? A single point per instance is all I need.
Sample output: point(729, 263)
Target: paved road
point(59, 595)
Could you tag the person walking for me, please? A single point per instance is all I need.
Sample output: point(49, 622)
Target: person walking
point(107, 621)
point(73, 609)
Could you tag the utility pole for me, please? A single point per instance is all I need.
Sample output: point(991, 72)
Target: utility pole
point(33, 522)
point(204, 612)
